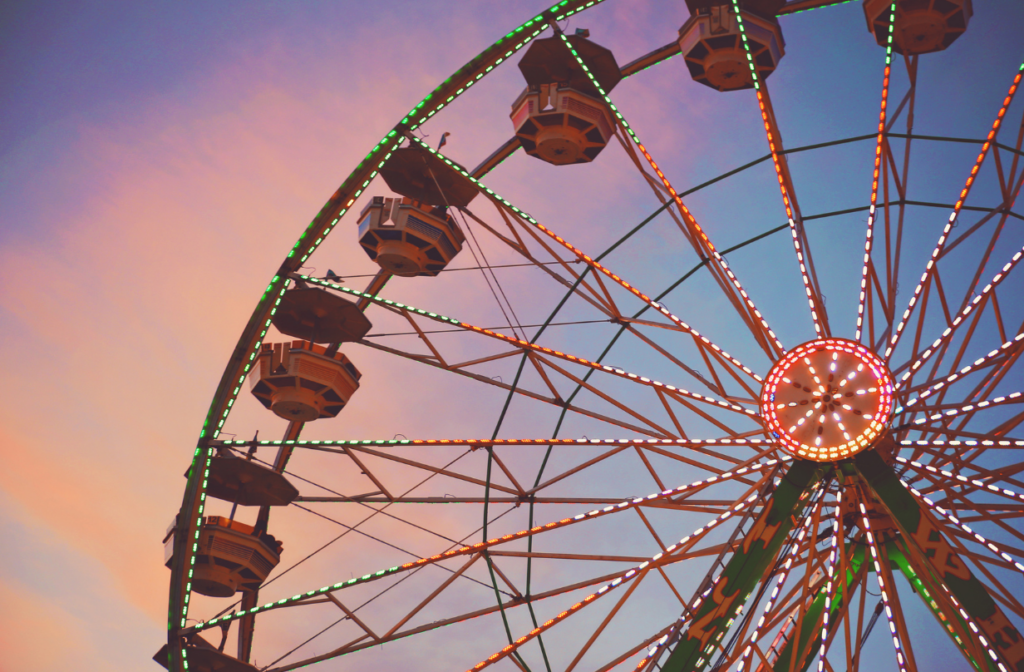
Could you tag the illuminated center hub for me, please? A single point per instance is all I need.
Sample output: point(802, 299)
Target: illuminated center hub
point(827, 399)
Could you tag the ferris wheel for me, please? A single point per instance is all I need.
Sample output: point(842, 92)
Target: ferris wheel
point(843, 500)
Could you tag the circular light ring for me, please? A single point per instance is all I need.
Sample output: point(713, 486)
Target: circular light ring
point(827, 399)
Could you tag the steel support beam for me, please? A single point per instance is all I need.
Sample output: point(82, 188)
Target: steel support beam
point(746, 568)
point(923, 537)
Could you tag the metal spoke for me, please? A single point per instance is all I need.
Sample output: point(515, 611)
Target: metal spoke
point(637, 573)
point(951, 410)
point(978, 303)
point(795, 219)
point(476, 549)
point(993, 358)
point(527, 346)
point(876, 174)
point(796, 6)
point(696, 232)
point(926, 277)
point(834, 542)
point(590, 261)
point(886, 589)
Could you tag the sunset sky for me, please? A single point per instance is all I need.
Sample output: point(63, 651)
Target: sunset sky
point(158, 160)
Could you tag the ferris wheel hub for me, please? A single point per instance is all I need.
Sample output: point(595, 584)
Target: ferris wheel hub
point(827, 400)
